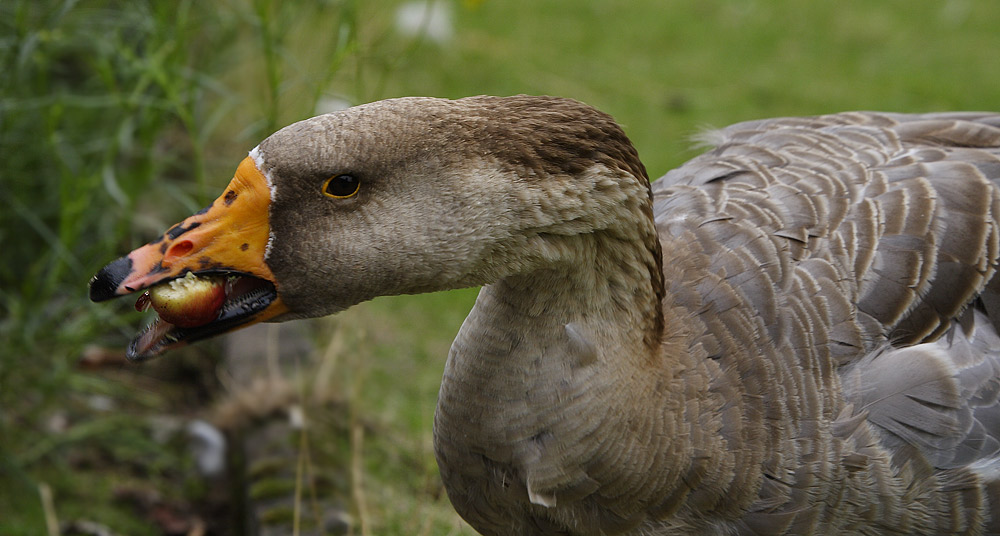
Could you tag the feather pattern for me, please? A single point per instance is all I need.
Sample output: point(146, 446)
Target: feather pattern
point(794, 333)
point(835, 364)
point(881, 234)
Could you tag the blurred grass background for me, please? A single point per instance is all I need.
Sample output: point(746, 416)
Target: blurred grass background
point(118, 118)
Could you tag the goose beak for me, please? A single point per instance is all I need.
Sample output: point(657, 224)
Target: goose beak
point(227, 239)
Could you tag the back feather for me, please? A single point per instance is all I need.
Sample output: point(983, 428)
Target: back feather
point(877, 239)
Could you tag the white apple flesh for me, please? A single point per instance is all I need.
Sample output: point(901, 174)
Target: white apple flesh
point(189, 301)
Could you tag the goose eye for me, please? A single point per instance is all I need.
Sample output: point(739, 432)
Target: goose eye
point(341, 186)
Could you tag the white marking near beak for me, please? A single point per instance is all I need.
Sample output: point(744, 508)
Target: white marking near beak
point(258, 160)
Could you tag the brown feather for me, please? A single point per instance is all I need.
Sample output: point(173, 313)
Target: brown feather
point(794, 333)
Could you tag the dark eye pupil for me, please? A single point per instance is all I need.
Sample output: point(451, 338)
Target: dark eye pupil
point(342, 186)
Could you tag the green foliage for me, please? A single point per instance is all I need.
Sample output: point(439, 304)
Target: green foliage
point(109, 111)
point(665, 69)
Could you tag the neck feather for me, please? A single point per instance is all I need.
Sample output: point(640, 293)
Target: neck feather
point(595, 258)
point(536, 374)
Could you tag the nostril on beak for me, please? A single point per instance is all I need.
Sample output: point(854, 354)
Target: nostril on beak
point(177, 251)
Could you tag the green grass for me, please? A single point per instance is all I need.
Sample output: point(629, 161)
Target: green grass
point(118, 118)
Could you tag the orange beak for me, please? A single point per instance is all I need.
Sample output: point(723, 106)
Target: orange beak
point(229, 237)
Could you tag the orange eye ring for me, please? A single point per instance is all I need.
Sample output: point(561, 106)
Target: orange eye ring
point(341, 186)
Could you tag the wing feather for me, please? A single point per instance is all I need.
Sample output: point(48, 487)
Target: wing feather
point(866, 247)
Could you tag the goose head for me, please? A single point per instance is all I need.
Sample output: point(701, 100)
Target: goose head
point(401, 196)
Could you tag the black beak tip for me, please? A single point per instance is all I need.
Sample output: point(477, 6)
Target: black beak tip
point(104, 285)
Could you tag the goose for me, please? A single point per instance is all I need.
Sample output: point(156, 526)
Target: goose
point(793, 333)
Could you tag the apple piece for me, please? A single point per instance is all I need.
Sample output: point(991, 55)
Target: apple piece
point(189, 301)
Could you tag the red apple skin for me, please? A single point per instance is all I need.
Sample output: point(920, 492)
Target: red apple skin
point(190, 301)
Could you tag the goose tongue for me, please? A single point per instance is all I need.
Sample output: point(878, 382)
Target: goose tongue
point(152, 340)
